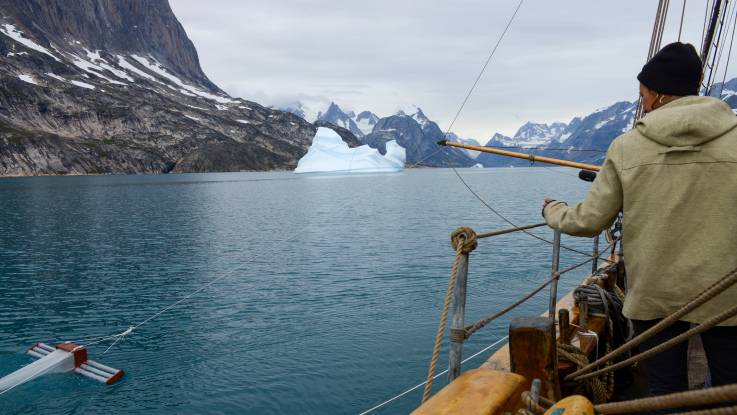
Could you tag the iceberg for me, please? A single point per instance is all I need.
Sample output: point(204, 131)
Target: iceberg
point(329, 153)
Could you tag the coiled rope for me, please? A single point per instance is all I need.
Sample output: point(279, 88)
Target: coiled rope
point(599, 388)
point(712, 291)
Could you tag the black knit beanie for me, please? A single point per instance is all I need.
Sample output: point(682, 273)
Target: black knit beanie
point(675, 70)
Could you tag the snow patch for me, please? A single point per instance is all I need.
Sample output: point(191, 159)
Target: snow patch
point(365, 125)
point(95, 69)
point(13, 33)
point(103, 64)
point(83, 84)
point(191, 117)
point(27, 78)
point(55, 76)
point(243, 121)
point(329, 153)
point(159, 70)
point(127, 65)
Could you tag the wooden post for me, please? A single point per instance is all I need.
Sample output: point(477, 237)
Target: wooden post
point(583, 315)
point(564, 325)
point(532, 352)
point(459, 312)
point(553, 272)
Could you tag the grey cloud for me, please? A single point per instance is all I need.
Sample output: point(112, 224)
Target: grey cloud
point(560, 59)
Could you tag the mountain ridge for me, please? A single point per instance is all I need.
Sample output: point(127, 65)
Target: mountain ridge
point(133, 101)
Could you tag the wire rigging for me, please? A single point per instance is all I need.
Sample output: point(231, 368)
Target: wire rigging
point(483, 68)
point(719, 11)
point(729, 54)
point(680, 27)
point(723, 42)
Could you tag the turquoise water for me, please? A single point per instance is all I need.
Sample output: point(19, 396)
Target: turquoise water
point(331, 290)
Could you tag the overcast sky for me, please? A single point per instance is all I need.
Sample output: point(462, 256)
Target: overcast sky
point(559, 59)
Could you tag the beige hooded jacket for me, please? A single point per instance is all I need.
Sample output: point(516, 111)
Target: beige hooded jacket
point(675, 178)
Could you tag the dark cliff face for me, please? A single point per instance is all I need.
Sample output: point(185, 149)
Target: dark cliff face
point(114, 86)
point(419, 137)
point(146, 27)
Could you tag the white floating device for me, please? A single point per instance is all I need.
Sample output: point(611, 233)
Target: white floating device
point(65, 357)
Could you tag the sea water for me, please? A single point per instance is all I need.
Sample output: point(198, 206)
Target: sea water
point(329, 297)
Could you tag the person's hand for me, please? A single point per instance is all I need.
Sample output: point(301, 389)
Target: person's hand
point(546, 202)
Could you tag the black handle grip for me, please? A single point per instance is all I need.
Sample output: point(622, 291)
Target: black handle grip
point(587, 175)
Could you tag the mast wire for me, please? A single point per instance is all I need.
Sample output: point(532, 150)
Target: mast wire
point(680, 27)
point(729, 54)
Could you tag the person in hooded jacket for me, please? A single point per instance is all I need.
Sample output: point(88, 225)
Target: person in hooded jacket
point(674, 177)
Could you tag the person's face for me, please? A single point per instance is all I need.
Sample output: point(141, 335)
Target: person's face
point(648, 98)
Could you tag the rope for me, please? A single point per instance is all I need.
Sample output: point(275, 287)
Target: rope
point(436, 376)
point(458, 113)
point(708, 324)
point(473, 328)
point(732, 410)
point(597, 388)
point(505, 219)
point(698, 397)
point(706, 295)
point(532, 406)
point(463, 239)
point(443, 319)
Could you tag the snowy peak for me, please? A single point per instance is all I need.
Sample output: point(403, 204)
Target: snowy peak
point(416, 114)
point(534, 134)
point(498, 140)
point(335, 115)
point(468, 141)
point(366, 121)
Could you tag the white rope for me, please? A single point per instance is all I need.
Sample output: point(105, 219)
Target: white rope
point(435, 377)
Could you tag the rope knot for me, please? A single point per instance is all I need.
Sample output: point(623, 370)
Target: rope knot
point(466, 237)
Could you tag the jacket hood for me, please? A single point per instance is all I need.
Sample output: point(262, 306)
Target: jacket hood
point(688, 121)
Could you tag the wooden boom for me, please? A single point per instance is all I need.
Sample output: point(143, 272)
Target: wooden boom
point(532, 158)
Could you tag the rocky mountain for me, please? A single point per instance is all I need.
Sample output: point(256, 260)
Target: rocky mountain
point(344, 133)
point(469, 141)
point(726, 91)
point(584, 139)
point(366, 121)
point(109, 86)
point(419, 136)
point(334, 115)
point(534, 134)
